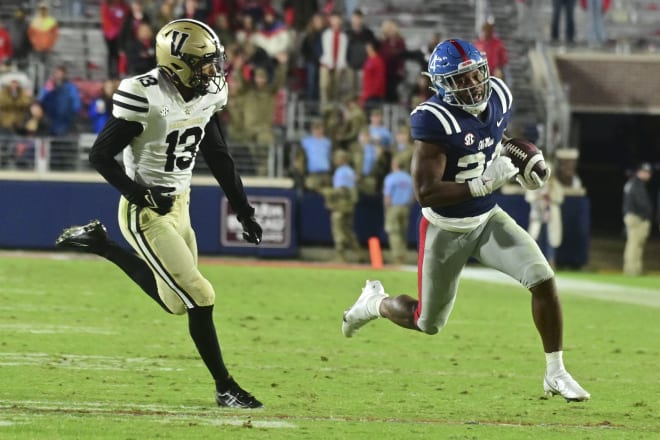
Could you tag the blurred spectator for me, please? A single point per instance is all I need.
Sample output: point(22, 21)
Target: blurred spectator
point(131, 23)
point(420, 92)
point(545, 221)
point(398, 197)
point(193, 9)
point(113, 13)
point(426, 50)
point(316, 161)
point(18, 32)
point(303, 12)
point(61, 102)
point(359, 35)
point(222, 28)
point(365, 163)
point(128, 36)
point(311, 51)
point(221, 7)
point(273, 35)
point(568, 8)
point(496, 54)
point(330, 7)
point(14, 105)
point(374, 79)
point(34, 125)
point(403, 148)
point(566, 168)
point(340, 200)
point(596, 9)
point(257, 97)
point(6, 50)
point(101, 108)
point(43, 33)
point(165, 14)
point(333, 121)
point(246, 31)
point(141, 51)
point(637, 217)
point(393, 52)
point(332, 75)
point(353, 121)
point(379, 131)
point(253, 8)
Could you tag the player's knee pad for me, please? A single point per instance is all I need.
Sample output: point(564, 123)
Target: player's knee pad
point(204, 295)
point(173, 302)
point(536, 273)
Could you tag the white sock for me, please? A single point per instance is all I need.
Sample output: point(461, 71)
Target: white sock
point(373, 305)
point(554, 363)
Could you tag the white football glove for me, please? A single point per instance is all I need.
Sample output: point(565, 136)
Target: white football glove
point(499, 172)
point(534, 181)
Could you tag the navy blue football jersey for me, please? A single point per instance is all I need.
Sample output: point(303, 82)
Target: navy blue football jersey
point(471, 143)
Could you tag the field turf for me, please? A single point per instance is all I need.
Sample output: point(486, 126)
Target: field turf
point(85, 355)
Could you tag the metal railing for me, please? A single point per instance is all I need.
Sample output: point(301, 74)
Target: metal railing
point(70, 153)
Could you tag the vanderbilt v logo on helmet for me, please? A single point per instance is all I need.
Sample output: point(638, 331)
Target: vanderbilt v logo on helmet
point(178, 39)
point(191, 54)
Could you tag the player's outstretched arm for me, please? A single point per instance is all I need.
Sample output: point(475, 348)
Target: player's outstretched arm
point(216, 153)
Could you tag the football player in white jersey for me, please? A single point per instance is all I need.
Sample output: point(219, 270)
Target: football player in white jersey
point(456, 167)
point(160, 120)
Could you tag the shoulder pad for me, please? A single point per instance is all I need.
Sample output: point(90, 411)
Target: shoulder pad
point(433, 121)
point(130, 100)
point(502, 92)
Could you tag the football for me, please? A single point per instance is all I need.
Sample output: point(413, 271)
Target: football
point(527, 157)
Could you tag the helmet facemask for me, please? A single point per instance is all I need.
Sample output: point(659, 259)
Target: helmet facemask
point(207, 73)
point(459, 74)
point(468, 88)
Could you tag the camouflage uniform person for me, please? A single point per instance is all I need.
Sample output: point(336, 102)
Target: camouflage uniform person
point(367, 161)
point(403, 147)
point(340, 200)
point(354, 119)
point(258, 105)
point(398, 196)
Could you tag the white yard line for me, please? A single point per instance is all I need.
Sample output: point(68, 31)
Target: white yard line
point(85, 362)
point(164, 413)
point(568, 286)
point(218, 417)
point(583, 288)
point(36, 328)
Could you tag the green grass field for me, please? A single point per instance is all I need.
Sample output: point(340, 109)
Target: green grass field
point(85, 355)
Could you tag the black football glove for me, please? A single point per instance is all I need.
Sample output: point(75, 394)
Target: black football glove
point(156, 198)
point(251, 229)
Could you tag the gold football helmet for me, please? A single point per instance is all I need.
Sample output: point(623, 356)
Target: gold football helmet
point(190, 53)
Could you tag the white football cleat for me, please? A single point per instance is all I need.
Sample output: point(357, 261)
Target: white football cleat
point(365, 308)
point(564, 385)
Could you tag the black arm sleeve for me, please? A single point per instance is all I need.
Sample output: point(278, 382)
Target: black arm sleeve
point(115, 136)
point(216, 153)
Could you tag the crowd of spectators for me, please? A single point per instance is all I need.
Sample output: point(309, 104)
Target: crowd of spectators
point(320, 50)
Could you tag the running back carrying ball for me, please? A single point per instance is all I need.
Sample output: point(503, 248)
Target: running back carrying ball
point(529, 159)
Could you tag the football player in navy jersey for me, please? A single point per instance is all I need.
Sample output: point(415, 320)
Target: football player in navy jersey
point(456, 167)
point(160, 120)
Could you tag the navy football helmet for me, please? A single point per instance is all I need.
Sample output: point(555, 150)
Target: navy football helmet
point(459, 73)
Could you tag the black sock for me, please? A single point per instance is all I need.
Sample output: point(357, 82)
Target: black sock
point(202, 331)
point(136, 269)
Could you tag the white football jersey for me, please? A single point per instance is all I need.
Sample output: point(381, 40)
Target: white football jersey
point(164, 153)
